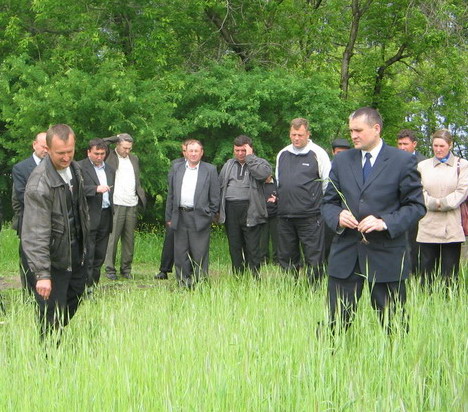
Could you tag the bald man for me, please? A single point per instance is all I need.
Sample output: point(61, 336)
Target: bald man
point(20, 173)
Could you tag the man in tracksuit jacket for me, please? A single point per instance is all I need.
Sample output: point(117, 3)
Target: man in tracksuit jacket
point(243, 209)
point(55, 230)
point(302, 170)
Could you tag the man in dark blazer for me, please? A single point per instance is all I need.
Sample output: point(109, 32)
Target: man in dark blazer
point(374, 196)
point(128, 194)
point(98, 187)
point(408, 141)
point(20, 174)
point(192, 203)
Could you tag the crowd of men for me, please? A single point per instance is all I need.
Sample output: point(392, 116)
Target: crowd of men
point(71, 215)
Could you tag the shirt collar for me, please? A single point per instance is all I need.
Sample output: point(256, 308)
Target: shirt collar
point(103, 166)
point(191, 168)
point(37, 159)
point(374, 152)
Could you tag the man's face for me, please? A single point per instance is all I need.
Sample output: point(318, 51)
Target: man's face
point(124, 148)
point(96, 156)
point(337, 150)
point(299, 137)
point(406, 144)
point(193, 153)
point(364, 136)
point(240, 153)
point(61, 152)
point(40, 146)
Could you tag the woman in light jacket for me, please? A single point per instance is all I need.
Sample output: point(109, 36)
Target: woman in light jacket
point(440, 233)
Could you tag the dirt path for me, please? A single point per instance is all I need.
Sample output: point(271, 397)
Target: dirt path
point(9, 283)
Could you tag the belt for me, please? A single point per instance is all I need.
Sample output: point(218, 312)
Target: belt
point(186, 209)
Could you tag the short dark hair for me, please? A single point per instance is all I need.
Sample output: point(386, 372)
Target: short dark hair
point(371, 115)
point(407, 133)
point(98, 144)
point(242, 140)
point(298, 122)
point(62, 131)
point(340, 143)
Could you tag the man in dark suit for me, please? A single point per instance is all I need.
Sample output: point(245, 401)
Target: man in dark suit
point(373, 197)
point(407, 141)
point(192, 203)
point(98, 186)
point(128, 194)
point(20, 174)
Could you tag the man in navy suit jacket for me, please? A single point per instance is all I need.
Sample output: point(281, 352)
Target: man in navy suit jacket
point(192, 203)
point(98, 179)
point(374, 197)
point(20, 174)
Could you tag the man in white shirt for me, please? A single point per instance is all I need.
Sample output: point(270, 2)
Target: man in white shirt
point(128, 194)
point(192, 203)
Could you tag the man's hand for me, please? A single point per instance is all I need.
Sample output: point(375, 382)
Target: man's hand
point(348, 220)
point(103, 189)
point(248, 149)
point(44, 287)
point(371, 223)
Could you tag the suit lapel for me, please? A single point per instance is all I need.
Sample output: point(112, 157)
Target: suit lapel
point(379, 165)
point(356, 167)
point(88, 168)
point(202, 174)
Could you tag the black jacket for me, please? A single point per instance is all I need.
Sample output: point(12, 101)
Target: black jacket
point(46, 234)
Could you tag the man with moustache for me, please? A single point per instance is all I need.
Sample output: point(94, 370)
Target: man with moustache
point(98, 186)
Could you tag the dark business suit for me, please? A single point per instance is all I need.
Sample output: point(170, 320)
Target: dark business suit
point(100, 219)
point(20, 174)
point(192, 227)
point(393, 193)
point(124, 222)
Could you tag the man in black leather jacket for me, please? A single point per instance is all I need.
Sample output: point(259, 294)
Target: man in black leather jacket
point(55, 230)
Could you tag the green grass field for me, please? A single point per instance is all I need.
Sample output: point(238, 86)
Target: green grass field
point(230, 345)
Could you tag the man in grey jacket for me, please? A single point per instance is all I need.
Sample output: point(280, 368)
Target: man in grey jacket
point(55, 230)
point(243, 208)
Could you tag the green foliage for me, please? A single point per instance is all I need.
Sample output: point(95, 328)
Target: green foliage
point(209, 69)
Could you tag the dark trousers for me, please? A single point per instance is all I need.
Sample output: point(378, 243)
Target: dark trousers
point(97, 247)
point(440, 260)
point(191, 250)
point(25, 272)
point(67, 288)
point(269, 235)
point(344, 295)
point(413, 249)
point(167, 253)
point(306, 233)
point(244, 241)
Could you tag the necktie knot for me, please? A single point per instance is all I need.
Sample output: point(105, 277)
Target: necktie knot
point(367, 167)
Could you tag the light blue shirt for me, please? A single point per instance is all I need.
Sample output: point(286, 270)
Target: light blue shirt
point(101, 174)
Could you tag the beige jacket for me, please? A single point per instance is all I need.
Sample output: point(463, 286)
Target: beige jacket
point(445, 188)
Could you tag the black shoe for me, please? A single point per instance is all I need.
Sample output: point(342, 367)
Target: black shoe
point(161, 276)
point(126, 275)
point(111, 276)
